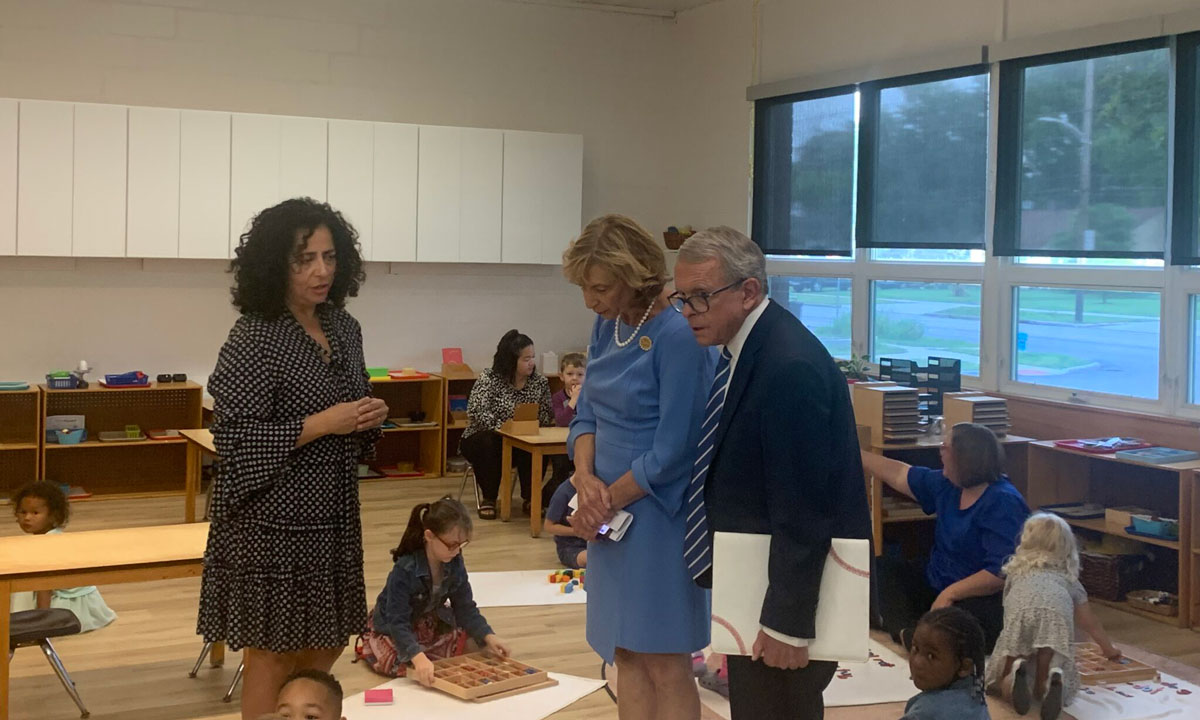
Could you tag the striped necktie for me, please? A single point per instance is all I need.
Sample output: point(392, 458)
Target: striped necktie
point(697, 544)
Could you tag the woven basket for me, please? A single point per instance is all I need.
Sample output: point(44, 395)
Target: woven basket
point(1108, 577)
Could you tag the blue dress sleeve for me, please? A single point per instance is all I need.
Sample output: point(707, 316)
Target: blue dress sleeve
point(584, 422)
point(1000, 528)
point(684, 372)
point(927, 487)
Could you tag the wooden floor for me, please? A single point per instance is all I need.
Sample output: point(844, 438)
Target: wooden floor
point(137, 667)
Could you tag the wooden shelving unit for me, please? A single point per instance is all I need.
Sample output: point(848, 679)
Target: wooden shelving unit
point(1062, 475)
point(1192, 540)
point(454, 386)
point(422, 446)
point(20, 437)
point(148, 468)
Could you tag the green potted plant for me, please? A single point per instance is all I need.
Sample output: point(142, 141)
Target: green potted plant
point(855, 368)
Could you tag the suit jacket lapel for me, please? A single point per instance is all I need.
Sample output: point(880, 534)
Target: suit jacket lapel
point(743, 371)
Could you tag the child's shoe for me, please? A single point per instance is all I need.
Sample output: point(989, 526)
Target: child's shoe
point(717, 682)
point(1022, 690)
point(1053, 702)
point(698, 666)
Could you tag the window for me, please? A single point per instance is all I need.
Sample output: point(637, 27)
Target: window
point(804, 173)
point(919, 255)
point(1099, 340)
point(1093, 262)
point(821, 303)
point(1082, 155)
point(915, 320)
point(1194, 351)
point(923, 148)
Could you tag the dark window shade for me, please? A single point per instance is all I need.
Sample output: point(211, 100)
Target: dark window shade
point(1082, 153)
point(1185, 211)
point(804, 173)
point(923, 143)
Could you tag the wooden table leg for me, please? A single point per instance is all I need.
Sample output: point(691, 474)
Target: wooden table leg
point(5, 604)
point(216, 655)
point(535, 494)
point(505, 478)
point(191, 482)
point(877, 514)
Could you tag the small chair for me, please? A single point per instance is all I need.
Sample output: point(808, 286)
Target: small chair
point(36, 627)
point(237, 676)
point(462, 489)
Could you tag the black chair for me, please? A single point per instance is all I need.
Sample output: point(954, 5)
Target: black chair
point(35, 627)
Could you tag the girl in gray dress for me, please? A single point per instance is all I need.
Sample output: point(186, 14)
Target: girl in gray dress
point(1043, 603)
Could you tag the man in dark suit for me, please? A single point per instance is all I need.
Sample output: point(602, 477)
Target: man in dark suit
point(778, 456)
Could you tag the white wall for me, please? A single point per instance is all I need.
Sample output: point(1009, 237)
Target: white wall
point(455, 62)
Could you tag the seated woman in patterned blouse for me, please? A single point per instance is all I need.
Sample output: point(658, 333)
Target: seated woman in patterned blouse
point(512, 379)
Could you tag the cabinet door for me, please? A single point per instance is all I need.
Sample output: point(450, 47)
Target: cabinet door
point(351, 175)
point(204, 184)
point(482, 180)
point(439, 194)
point(153, 183)
point(562, 197)
point(395, 192)
point(8, 177)
point(521, 236)
point(253, 170)
point(302, 158)
point(45, 153)
point(98, 197)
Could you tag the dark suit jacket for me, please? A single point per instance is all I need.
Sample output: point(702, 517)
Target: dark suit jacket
point(787, 464)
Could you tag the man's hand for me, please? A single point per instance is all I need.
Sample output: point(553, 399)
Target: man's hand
point(779, 654)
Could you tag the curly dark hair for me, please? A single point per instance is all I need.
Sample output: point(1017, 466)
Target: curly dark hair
point(264, 256)
point(508, 351)
point(964, 631)
point(51, 494)
point(330, 683)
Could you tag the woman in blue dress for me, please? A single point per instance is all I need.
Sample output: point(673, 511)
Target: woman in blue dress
point(634, 440)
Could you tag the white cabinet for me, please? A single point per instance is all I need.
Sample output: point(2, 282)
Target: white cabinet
point(272, 159)
point(204, 184)
point(543, 195)
point(394, 229)
point(351, 176)
point(302, 158)
point(439, 194)
point(45, 164)
point(98, 198)
point(253, 170)
point(8, 177)
point(482, 178)
point(459, 193)
point(153, 183)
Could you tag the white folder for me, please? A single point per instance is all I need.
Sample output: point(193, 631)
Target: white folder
point(740, 585)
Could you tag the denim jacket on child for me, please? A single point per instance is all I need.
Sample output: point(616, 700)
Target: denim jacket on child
point(959, 701)
point(408, 595)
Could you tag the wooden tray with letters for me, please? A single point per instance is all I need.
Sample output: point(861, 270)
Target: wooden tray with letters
point(482, 676)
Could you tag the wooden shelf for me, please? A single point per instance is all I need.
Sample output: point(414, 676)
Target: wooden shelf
point(98, 444)
point(461, 425)
point(130, 495)
point(889, 519)
point(18, 446)
point(424, 428)
point(386, 380)
point(1100, 525)
point(1110, 457)
point(1166, 619)
point(95, 387)
point(423, 476)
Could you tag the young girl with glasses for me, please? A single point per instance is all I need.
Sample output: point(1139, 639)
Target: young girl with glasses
point(412, 625)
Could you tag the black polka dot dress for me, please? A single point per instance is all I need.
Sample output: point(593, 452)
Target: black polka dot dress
point(283, 570)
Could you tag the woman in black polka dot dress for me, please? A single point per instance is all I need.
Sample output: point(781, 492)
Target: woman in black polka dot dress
point(293, 417)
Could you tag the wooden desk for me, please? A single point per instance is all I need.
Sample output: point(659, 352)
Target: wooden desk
point(1015, 448)
point(98, 557)
point(199, 442)
point(550, 441)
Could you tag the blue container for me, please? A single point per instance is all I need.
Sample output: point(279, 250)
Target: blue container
point(66, 437)
point(1159, 528)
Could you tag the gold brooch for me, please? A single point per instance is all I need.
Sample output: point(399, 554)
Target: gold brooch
point(645, 343)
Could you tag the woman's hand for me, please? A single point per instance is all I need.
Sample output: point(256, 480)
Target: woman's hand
point(496, 645)
point(595, 504)
point(371, 413)
point(340, 419)
point(422, 669)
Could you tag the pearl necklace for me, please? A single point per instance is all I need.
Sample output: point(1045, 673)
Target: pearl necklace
point(617, 328)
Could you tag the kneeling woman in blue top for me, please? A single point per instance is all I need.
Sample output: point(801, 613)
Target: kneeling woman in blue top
point(412, 623)
point(979, 518)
